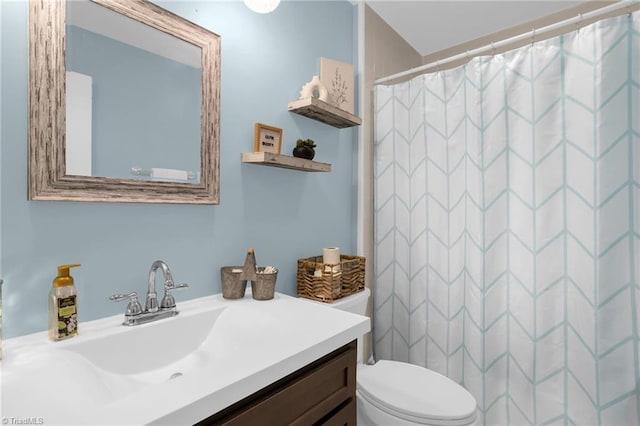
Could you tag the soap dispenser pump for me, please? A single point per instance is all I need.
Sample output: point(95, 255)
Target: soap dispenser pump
point(63, 305)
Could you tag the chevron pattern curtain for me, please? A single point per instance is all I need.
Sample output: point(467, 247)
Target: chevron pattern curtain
point(507, 220)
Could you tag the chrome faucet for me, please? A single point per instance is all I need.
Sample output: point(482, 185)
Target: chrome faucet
point(152, 297)
point(134, 314)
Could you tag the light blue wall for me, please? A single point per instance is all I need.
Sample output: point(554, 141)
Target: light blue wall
point(283, 214)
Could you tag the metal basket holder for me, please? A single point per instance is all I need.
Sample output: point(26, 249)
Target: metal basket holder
point(234, 280)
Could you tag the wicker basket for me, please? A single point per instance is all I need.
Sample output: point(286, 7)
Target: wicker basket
point(326, 283)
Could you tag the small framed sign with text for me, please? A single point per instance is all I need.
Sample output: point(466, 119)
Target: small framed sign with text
point(267, 139)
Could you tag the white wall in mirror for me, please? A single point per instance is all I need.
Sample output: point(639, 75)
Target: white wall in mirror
point(100, 20)
point(79, 99)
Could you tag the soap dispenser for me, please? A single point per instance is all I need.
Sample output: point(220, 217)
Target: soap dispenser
point(63, 305)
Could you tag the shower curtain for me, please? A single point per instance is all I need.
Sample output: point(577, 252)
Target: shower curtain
point(507, 227)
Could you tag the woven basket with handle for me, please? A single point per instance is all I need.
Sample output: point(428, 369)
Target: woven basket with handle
point(325, 282)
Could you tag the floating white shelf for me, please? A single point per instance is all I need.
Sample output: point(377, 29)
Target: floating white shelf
point(284, 161)
point(319, 110)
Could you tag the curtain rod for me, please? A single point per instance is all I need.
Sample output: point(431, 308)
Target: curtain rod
point(576, 20)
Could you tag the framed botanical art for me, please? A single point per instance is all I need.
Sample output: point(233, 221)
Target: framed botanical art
point(338, 78)
point(267, 138)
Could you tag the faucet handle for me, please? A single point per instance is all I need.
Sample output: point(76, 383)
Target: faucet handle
point(133, 308)
point(168, 286)
point(168, 301)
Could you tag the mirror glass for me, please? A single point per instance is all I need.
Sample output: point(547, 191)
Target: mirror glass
point(133, 98)
point(123, 103)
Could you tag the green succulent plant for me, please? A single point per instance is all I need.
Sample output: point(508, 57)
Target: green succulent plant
point(305, 143)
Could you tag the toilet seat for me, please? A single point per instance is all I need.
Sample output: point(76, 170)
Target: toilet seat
point(415, 394)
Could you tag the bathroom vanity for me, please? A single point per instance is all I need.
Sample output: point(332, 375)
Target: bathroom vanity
point(323, 392)
point(219, 361)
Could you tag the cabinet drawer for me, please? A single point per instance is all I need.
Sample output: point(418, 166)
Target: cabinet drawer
point(344, 416)
point(303, 398)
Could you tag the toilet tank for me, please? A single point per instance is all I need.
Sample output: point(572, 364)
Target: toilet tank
point(355, 303)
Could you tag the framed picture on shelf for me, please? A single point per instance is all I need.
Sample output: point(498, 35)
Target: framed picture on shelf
point(267, 138)
point(339, 80)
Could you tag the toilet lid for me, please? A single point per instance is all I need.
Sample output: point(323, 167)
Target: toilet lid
point(415, 393)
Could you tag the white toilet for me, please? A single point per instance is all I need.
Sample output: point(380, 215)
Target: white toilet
point(397, 393)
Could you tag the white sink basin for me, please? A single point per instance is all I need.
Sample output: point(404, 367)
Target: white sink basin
point(177, 370)
point(171, 343)
point(106, 364)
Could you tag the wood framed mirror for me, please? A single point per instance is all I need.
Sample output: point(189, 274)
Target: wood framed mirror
point(51, 177)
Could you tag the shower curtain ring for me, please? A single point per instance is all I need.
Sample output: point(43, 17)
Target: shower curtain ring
point(493, 49)
point(533, 36)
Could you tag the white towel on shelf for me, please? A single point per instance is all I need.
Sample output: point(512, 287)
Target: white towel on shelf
point(172, 174)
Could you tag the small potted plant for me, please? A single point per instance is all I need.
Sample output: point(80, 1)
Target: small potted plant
point(304, 149)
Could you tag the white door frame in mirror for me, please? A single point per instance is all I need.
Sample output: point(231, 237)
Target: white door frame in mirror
point(47, 116)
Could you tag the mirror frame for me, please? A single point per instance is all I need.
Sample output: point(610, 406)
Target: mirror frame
point(47, 111)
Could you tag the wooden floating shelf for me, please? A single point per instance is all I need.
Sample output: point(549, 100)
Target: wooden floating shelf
point(284, 161)
point(319, 110)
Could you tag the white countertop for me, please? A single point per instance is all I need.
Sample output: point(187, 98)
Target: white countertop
point(251, 345)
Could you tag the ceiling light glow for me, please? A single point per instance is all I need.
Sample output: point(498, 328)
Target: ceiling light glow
point(262, 6)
